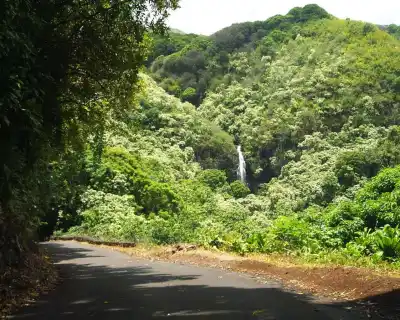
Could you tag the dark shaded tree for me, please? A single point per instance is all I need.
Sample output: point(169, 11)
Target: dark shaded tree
point(56, 56)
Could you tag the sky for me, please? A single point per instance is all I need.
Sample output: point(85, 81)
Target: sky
point(208, 16)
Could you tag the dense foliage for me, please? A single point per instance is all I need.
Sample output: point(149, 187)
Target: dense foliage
point(394, 30)
point(323, 85)
point(59, 60)
point(312, 99)
point(93, 147)
point(202, 63)
point(148, 187)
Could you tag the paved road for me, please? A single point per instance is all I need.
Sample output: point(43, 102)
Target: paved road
point(103, 284)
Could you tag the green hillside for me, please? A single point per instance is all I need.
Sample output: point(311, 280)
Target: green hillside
point(189, 72)
point(313, 101)
point(136, 140)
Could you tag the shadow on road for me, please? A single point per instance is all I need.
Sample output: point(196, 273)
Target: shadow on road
point(383, 306)
point(95, 288)
point(62, 253)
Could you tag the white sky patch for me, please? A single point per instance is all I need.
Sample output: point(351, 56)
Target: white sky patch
point(209, 16)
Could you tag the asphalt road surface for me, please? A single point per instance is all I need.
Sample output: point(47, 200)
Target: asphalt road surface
point(104, 284)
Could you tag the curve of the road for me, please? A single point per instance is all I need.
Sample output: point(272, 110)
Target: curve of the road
point(102, 284)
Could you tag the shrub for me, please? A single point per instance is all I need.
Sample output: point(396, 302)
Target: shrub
point(292, 232)
point(189, 95)
point(388, 242)
point(213, 178)
point(239, 189)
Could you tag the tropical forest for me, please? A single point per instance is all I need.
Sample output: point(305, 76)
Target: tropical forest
point(277, 137)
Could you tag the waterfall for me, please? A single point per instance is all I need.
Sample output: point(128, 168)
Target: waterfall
point(241, 172)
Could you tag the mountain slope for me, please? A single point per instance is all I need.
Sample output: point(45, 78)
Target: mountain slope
point(335, 77)
point(190, 72)
point(314, 103)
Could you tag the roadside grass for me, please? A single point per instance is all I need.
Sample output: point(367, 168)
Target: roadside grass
point(291, 259)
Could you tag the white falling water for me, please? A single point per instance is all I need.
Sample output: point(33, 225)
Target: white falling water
point(241, 172)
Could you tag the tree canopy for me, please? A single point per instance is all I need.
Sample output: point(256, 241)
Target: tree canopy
point(60, 60)
point(202, 61)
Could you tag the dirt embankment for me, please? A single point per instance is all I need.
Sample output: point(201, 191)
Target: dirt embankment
point(21, 285)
